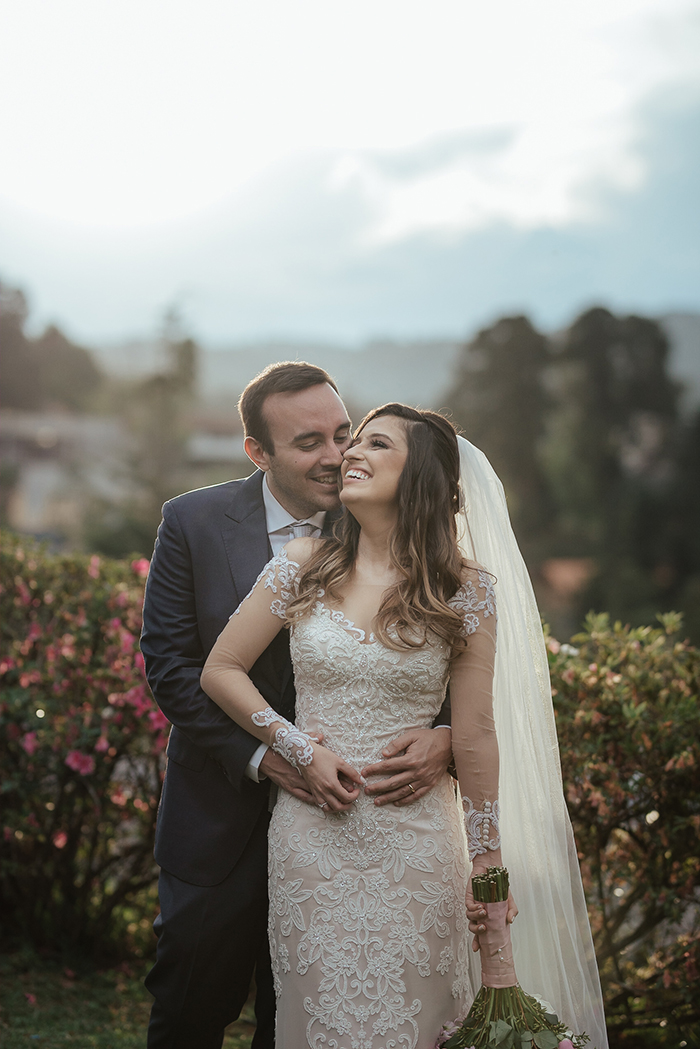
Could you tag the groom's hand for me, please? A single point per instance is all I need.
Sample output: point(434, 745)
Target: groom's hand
point(412, 764)
point(285, 775)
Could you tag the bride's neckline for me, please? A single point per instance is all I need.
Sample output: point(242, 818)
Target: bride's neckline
point(347, 625)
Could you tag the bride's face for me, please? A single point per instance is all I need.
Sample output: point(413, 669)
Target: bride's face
point(373, 463)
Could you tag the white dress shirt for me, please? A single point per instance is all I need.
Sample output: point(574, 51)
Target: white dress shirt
point(279, 531)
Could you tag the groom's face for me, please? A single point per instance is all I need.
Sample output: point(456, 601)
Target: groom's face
point(310, 430)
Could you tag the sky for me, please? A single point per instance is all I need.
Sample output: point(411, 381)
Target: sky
point(310, 169)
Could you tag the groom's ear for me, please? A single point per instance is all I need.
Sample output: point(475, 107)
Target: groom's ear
point(256, 453)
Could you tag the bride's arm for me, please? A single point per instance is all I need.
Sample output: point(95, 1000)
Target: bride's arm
point(474, 740)
point(225, 679)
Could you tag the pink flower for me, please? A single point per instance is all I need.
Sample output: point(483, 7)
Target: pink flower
point(139, 698)
point(94, 567)
point(60, 839)
point(140, 567)
point(79, 762)
point(127, 642)
point(102, 745)
point(29, 742)
point(566, 1043)
point(553, 645)
point(31, 998)
point(158, 720)
point(29, 677)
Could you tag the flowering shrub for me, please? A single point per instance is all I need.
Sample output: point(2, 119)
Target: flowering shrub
point(629, 730)
point(83, 746)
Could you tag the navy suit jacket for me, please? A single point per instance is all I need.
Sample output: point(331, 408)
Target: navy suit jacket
point(211, 546)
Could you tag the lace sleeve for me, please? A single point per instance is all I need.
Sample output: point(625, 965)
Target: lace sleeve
point(474, 742)
point(252, 627)
point(279, 575)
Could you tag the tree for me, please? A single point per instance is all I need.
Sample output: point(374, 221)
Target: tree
point(68, 374)
point(41, 373)
point(157, 411)
point(613, 455)
point(500, 401)
point(18, 370)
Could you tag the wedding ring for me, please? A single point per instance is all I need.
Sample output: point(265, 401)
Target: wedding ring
point(323, 804)
point(411, 788)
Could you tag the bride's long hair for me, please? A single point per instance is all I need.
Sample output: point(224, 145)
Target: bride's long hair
point(423, 546)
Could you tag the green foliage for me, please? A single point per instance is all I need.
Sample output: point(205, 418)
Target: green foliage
point(83, 746)
point(507, 1018)
point(629, 729)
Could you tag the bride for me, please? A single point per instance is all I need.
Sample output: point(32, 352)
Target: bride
point(368, 923)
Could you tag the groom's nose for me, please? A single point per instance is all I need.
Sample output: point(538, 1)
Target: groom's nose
point(332, 454)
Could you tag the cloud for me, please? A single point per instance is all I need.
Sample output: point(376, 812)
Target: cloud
point(437, 234)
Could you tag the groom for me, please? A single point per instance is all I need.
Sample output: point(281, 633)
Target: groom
point(211, 837)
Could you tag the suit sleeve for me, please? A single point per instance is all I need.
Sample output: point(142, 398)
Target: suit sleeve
point(174, 657)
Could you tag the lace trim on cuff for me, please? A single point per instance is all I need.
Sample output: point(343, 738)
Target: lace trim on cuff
point(483, 831)
point(289, 742)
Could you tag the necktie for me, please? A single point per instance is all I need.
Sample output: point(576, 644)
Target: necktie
point(299, 530)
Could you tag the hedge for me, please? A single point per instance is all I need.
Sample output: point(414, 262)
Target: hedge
point(83, 749)
point(629, 731)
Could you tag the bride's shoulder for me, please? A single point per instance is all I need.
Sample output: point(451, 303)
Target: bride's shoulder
point(299, 551)
point(473, 571)
point(476, 598)
point(477, 586)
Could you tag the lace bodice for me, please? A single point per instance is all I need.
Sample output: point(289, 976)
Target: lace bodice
point(361, 693)
point(358, 691)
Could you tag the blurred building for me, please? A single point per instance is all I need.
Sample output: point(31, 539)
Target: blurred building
point(53, 463)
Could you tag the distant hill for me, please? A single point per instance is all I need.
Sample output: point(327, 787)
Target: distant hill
point(417, 372)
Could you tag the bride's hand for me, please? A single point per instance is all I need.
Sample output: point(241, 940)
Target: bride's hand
point(333, 784)
point(476, 913)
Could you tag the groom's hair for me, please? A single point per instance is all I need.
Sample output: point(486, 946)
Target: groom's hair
point(284, 377)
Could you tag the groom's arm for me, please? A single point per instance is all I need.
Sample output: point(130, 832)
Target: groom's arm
point(174, 656)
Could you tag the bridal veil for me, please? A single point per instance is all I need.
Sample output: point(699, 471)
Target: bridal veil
point(552, 942)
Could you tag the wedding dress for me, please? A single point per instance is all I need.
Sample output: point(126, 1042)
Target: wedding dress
point(367, 916)
point(368, 928)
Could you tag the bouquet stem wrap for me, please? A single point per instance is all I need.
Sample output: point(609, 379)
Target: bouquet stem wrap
point(497, 968)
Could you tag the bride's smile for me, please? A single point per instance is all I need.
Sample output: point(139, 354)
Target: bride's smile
point(373, 463)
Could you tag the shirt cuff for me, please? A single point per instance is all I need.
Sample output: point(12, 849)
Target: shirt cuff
point(253, 769)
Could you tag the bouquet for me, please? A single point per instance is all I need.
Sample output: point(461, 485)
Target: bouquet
point(503, 1016)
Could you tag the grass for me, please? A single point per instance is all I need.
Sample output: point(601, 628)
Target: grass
point(50, 1006)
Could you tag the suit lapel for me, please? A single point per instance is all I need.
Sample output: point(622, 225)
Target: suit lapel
point(244, 533)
